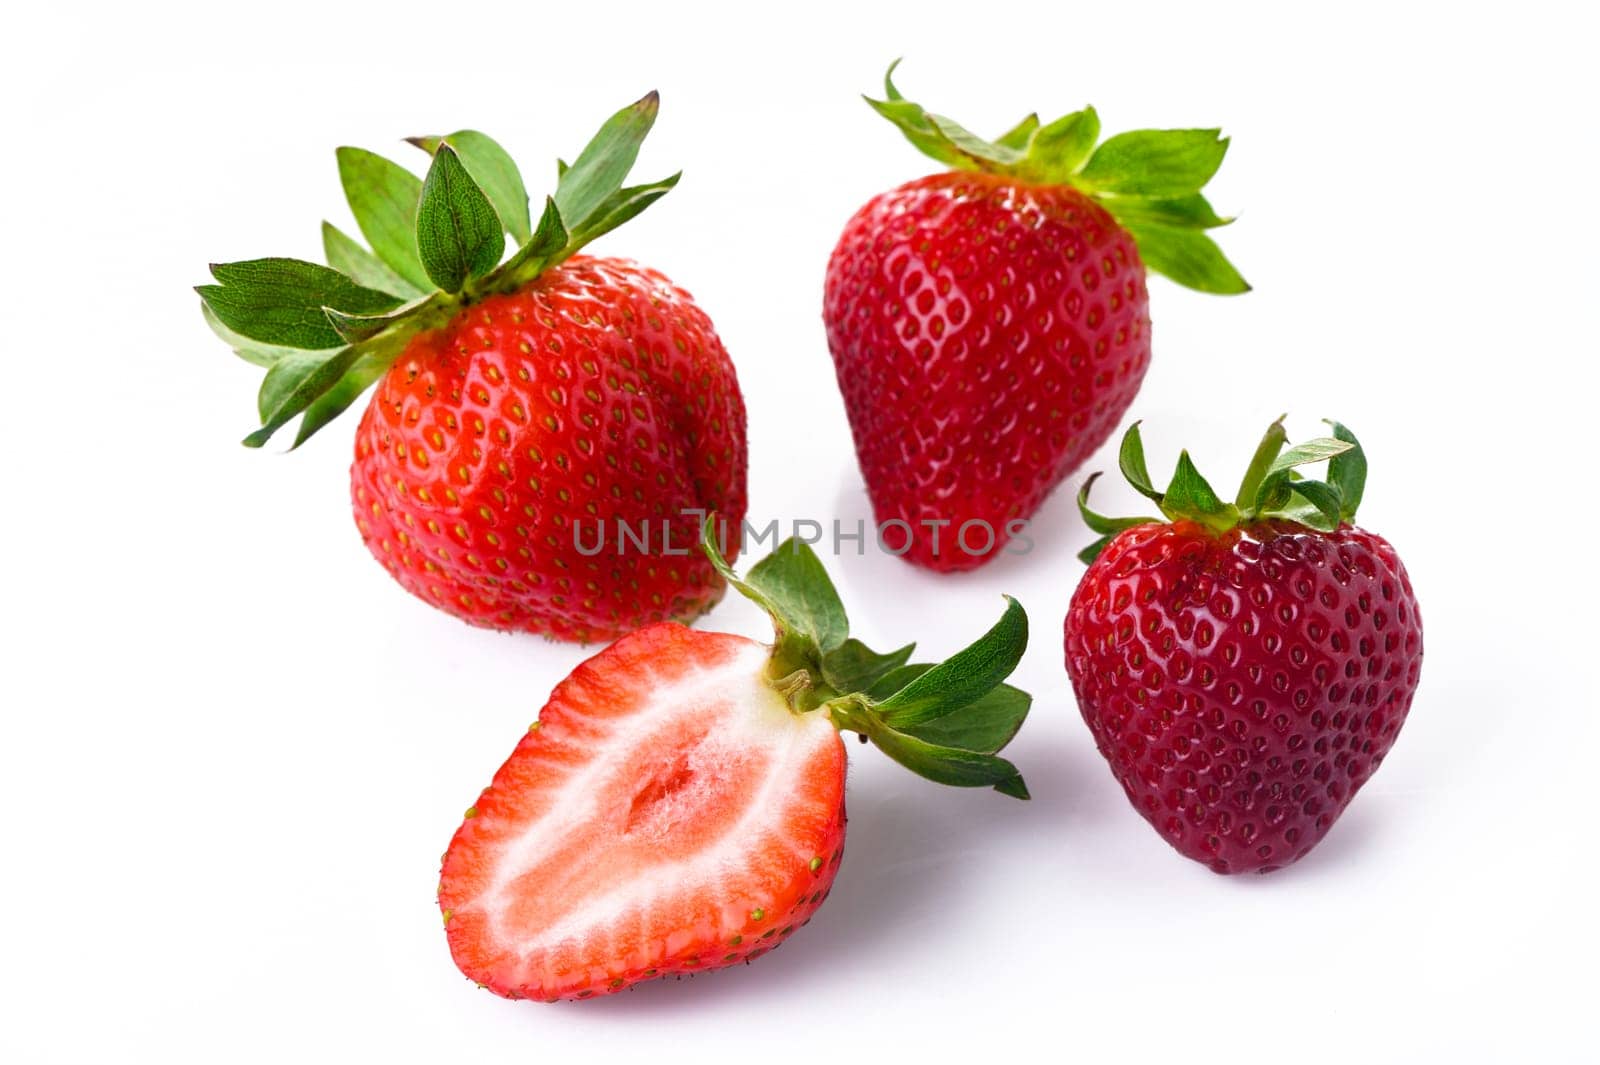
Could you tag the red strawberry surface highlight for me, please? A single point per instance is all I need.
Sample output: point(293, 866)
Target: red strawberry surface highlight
point(990, 325)
point(679, 804)
point(1246, 667)
point(546, 427)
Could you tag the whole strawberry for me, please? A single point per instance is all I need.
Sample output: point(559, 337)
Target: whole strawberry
point(679, 804)
point(545, 430)
point(989, 325)
point(1246, 666)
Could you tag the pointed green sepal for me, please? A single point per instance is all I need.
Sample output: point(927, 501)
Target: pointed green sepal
point(853, 666)
point(458, 233)
point(963, 677)
point(600, 168)
point(1018, 136)
point(361, 266)
point(1275, 486)
point(1347, 472)
point(1130, 458)
point(495, 172)
point(1190, 497)
point(383, 196)
point(1150, 180)
point(1108, 528)
point(1266, 453)
point(280, 301)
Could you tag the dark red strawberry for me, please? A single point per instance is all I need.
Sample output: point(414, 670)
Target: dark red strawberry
point(1244, 667)
point(679, 804)
point(990, 325)
point(546, 430)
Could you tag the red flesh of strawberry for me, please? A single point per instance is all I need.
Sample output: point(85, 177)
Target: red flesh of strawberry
point(668, 814)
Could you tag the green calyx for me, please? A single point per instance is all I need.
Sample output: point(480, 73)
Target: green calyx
point(1148, 179)
point(945, 722)
point(437, 244)
point(1273, 487)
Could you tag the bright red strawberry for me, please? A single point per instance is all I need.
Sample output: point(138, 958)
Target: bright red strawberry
point(679, 804)
point(990, 325)
point(1246, 667)
point(546, 429)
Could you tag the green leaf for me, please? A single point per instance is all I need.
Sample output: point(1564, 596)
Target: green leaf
point(1325, 505)
point(1314, 450)
point(252, 351)
point(280, 301)
point(361, 375)
point(985, 155)
point(1155, 162)
point(889, 90)
point(964, 676)
point(601, 167)
point(945, 765)
point(1347, 472)
point(794, 581)
point(916, 125)
point(1058, 150)
point(547, 241)
point(1098, 522)
point(354, 328)
point(361, 266)
point(1016, 788)
point(712, 548)
point(458, 233)
point(619, 207)
point(1130, 457)
point(855, 667)
point(1261, 463)
point(383, 196)
point(496, 174)
point(1178, 212)
point(1018, 136)
point(292, 384)
point(1188, 257)
point(913, 123)
point(1189, 496)
point(1273, 492)
point(986, 724)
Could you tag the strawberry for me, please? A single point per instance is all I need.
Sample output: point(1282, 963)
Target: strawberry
point(990, 325)
point(545, 430)
point(678, 806)
point(1244, 667)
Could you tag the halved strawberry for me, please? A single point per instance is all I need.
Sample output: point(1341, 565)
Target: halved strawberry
point(679, 804)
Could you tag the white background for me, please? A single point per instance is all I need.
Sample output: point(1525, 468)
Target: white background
point(233, 750)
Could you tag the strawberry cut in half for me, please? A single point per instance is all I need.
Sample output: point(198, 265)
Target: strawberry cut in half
point(990, 323)
point(1244, 667)
point(526, 399)
point(679, 805)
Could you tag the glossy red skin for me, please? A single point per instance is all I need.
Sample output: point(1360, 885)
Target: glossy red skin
point(598, 392)
point(1244, 686)
point(987, 335)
